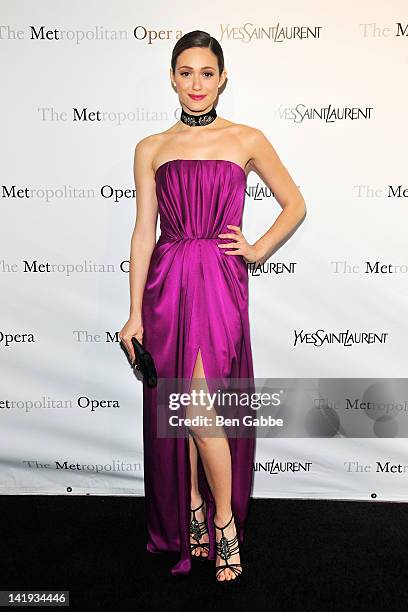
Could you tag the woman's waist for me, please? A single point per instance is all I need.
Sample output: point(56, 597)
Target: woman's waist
point(168, 237)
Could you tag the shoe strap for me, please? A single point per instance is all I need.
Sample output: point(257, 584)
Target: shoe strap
point(197, 528)
point(233, 547)
point(200, 506)
point(231, 543)
point(222, 528)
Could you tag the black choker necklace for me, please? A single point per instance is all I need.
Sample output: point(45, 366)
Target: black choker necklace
point(194, 120)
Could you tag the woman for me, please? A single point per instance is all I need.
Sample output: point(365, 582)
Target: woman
point(189, 302)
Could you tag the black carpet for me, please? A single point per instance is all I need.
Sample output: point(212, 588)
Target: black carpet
point(299, 555)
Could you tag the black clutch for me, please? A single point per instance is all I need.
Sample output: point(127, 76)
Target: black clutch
point(144, 362)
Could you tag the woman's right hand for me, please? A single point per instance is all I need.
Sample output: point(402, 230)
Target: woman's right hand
point(133, 328)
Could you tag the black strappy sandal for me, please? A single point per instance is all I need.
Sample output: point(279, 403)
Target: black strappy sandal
point(225, 549)
point(197, 530)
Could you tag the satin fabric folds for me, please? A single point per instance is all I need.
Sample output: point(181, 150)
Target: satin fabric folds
point(195, 297)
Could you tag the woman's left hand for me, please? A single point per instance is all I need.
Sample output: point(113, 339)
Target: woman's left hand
point(241, 246)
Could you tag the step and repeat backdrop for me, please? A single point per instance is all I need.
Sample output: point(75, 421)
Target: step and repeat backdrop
point(82, 83)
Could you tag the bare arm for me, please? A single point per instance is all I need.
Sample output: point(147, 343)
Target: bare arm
point(272, 171)
point(144, 233)
point(267, 164)
point(142, 242)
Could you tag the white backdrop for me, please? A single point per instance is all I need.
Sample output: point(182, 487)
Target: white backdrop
point(82, 82)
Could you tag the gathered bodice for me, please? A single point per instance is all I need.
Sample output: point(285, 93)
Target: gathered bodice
point(197, 198)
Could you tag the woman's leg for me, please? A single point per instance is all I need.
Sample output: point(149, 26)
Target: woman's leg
point(216, 457)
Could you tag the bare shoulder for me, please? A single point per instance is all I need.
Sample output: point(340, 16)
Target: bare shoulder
point(256, 145)
point(244, 132)
point(146, 149)
point(249, 139)
point(250, 135)
point(148, 144)
point(241, 129)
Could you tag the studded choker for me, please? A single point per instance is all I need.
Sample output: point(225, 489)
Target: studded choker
point(195, 120)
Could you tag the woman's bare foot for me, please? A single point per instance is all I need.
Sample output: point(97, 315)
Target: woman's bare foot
point(229, 551)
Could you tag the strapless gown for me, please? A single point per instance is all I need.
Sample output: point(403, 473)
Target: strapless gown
point(195, 297)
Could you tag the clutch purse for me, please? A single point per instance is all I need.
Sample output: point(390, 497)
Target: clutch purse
point(144, 363)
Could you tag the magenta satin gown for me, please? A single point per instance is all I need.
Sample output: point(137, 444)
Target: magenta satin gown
point(195, 296)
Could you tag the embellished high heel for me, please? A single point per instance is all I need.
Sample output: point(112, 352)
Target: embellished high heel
point(197, 530)
point(225, 549)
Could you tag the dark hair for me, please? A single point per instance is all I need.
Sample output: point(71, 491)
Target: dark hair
point(198, 38)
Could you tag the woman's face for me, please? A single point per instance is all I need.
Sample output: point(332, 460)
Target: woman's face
point(197, 75)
